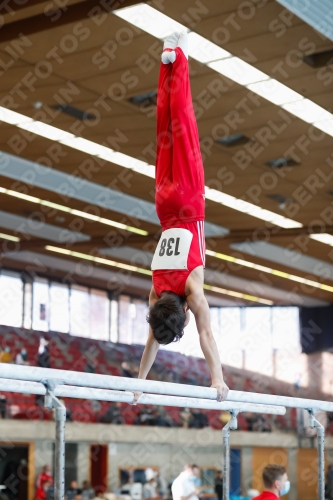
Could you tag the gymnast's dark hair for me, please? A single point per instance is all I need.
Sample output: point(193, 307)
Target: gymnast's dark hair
point(167, 318)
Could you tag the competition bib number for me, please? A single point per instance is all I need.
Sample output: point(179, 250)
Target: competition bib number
point(172, 249)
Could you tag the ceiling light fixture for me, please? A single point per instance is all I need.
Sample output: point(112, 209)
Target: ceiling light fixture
point(323, 238)
point(284, 161)
point(319, 59)
point(44, 130)
point(204, 50)
point(74, 112)
point(275, 92)
point(8, 237)
point(72, 211)
point(150, 20)
point(147, 19)
point(238, 295)
point(238, 70)
point(233, 140)
point(307, 110)
point(98, 260)
point(269, 270)
point(250, 209)
point(13, 118)
point(326, 126)
point(84, 145)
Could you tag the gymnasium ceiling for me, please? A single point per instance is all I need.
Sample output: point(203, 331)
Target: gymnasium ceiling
point(97, 63)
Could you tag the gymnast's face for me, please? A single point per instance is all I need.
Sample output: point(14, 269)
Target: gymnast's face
point(187, 312)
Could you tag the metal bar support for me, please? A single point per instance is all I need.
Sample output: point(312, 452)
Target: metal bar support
point(321, 453)
point(52, 402)
point(231, 425)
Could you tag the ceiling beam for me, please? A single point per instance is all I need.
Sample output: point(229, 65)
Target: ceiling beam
point(12, 6)
point(59, 17)
point(235, 236)
point(99, 242)
point(32, 244)
point(262, 233)
point(103, 242)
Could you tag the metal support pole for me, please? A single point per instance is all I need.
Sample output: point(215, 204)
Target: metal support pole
point(232, 424)
point(51, 401)
point(321, 453)
point(226, 460)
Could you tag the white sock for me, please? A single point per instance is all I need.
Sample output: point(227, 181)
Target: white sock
point(183, 43)
point(171, 41)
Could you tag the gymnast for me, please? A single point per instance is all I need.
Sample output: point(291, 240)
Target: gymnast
point(179, 259)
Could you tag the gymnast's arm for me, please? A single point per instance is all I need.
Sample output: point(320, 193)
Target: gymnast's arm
point(198, 304)
point(150, 351)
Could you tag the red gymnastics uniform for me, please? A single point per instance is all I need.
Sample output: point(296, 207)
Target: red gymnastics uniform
point(266, 495)
point(180, 186)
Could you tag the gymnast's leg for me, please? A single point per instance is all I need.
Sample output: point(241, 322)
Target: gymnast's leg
point(163, 128)
point(187, 165)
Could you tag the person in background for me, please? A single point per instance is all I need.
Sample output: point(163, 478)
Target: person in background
point(113, 415)
point(183, 488)
point(161, 486)
point(5, 355)
point(196, 477)
point(161, 418)
point(127, 371)
point(200, 420)
point(43, 361)
point(72, 491)
point(3, 406)
point(149, 489)
point(50, 492)
point(329, 482)
point(125, 489)
point(22, 357)
point(45, 475)
point(219, 484)
point(42, 491)
point(87, 492)
point(11, 474)
point(186, 417)
point(250, 420)
point(43, 357)
point(145, 416)
point(224, 417)
point(275, 481)
point(90, 366)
